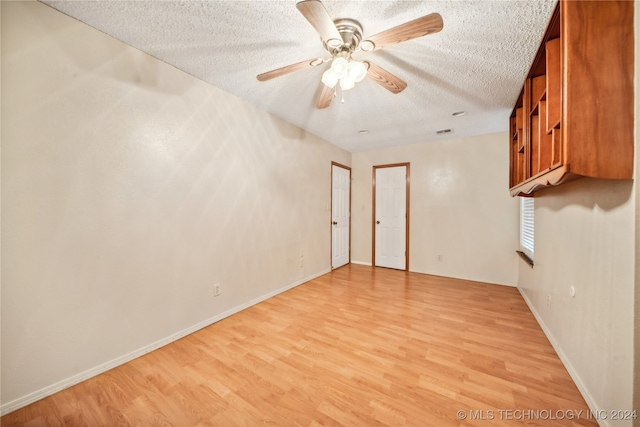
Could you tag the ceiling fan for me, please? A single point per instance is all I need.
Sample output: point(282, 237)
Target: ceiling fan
point(341, 38)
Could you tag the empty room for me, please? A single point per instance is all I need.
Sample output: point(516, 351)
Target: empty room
point(319, 213)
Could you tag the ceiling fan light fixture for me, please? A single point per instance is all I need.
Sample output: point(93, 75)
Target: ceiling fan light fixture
point(347, 83)
point(357, 71)
point(329, 78)
point(340, 67)
point(345, 71)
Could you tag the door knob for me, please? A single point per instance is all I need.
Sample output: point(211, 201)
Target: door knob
point(377, 222)
point(334, 223)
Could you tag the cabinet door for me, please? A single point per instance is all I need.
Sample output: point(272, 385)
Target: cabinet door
point(597, 42)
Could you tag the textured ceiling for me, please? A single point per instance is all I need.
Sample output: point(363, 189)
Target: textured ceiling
point(477, 63)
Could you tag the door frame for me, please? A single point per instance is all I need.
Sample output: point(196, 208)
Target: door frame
point(373, 217)
point(331, 214)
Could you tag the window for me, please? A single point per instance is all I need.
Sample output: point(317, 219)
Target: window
point(526, 226)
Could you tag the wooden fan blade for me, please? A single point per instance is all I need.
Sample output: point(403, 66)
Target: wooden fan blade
point(385, 79)
point(428, 24)
point(285, 70)
point(325, 97)
point(315, 12)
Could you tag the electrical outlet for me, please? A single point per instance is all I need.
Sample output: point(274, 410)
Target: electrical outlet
point(549, 300)
point(216, 289)
point(439, 257)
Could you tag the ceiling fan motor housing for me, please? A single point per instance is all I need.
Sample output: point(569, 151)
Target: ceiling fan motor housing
point(351, 32)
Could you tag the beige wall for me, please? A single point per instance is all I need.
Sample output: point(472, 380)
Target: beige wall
point(460, 207)
point(584, 238)
point(128, 189)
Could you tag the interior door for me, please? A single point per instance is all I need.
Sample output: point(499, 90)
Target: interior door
point(340, 215)
point(390, 216)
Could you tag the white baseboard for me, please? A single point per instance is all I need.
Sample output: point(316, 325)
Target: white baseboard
point(361, 263)
point(469, 279)
point(512, 285)
point(71, 381)
point(566, 362)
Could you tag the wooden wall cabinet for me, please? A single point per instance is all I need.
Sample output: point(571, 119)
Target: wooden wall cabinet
point(575, 114)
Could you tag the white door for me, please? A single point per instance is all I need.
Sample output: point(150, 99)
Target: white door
point(340, 215)
point(391, 217)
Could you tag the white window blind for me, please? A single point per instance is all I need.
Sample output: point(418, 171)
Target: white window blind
point(526, 225)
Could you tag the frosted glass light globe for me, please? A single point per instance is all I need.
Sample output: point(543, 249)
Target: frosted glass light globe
point(357, 71)
point(347, 83)
point(329, 78)
point(340, 67)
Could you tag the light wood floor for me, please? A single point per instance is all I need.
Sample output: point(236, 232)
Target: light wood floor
point(360, 346)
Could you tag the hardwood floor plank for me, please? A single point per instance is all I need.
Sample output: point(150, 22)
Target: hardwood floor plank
point(359, 346)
